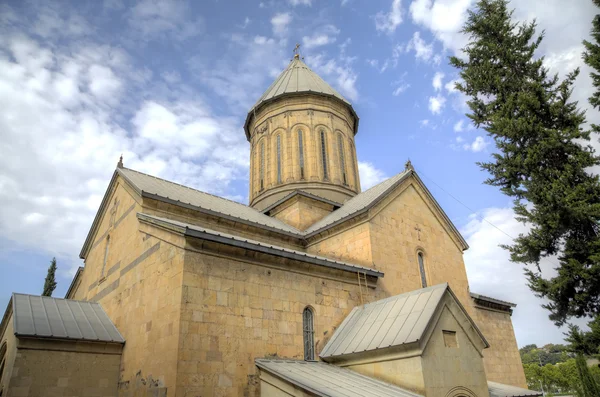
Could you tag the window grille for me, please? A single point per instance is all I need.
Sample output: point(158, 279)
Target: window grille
point(309, 334)
point(342, 158)
point(301, 154)
point(262, 165)
point(324, 155)
point(278, 158)
point(422, 270)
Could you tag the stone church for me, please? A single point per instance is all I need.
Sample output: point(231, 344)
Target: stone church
point(315, 288)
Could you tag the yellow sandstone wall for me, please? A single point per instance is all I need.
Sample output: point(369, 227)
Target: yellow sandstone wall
point(301, 212)
point(311, 114)
point(235, 311)
point(406, 373)
point(50, 368)
point(8, 341)
point(502, 361)
point(140, 291)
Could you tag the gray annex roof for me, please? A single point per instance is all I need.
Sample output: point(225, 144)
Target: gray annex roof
point(358, 203)
point(297, 78)
point(225, 238)
point(502, 390)
point(394, 321)
point(324, 379)
point(164, 190)
point(46, 317)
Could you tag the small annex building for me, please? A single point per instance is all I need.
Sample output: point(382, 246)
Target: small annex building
point(315, 287)
point(58, 347)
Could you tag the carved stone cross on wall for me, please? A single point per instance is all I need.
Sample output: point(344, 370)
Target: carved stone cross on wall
point(113, 212)
point(418, 232)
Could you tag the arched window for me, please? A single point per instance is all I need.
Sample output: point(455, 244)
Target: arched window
point(105, 255)
point(2, 360)
point(301, 154)
point(261, 171)
point(309, 334)
point(422, 269)
point(324, 155)
point(353, 159)
point(278, 158)
point(342, 158)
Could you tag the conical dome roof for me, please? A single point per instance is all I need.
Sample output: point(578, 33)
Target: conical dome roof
point(297, 78)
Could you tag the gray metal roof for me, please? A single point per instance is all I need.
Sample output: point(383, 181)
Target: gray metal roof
point(295, 79)
point(151, 186)
point(492, 300)
point(46, 317)
point(393, 321)
point(502, 390)
point(360, 202)
point(324, 379)
point(201, 232)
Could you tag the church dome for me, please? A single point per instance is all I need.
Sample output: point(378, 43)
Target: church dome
point(301, 133)
point(297, 78)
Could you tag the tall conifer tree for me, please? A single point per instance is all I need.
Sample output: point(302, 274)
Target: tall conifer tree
point(50, 282)
point(540, 162)
point(591, 57)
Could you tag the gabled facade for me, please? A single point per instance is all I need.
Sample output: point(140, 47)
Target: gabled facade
point(201, 287)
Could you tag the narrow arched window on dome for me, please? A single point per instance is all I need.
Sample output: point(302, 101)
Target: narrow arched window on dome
point(422, 269)
point(324, 155)
point(309, 334)
point(353, 160)
point(342, 159)
point(261, 170)
point(105, 255)
point(278, 158)
point(301, 154)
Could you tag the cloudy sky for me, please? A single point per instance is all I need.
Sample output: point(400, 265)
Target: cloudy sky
point(167, 83)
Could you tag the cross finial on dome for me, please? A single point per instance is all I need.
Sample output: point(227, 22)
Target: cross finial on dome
point(297, 51)
point(120, 163)
point(408, 166)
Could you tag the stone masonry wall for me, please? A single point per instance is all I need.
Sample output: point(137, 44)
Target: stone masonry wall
point(9, 340)
point(140, 291)
point(64, 373)
point(502, 361)
point(301, 212)
point(235, 311)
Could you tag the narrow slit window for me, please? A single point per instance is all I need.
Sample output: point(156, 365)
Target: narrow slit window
point(324, 155)
point(262, 165)
point(309, 334)
point(278, 158)
point(105, 255)
point(342, 159)
point(301, 154)
point(422, 270)
point(353, 159)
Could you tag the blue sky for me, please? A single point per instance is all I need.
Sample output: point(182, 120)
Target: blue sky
point(168, 83)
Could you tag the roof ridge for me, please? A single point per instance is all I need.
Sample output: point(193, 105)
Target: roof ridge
point(52, 297)
point(188, 187)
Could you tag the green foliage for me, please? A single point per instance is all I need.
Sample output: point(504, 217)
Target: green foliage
point(589, 387)
point(549, 354)
point(542, 156)
point(50, 282)
point(587, 343)
point(559, 378)
point(591, 57)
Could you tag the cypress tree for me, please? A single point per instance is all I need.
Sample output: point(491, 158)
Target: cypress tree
point(591, 57)
point(50, 282)
point(589, 386)
point(541, 162)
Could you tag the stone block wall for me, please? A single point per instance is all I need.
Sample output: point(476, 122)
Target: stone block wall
point(8, 352)
point(64, 373)
point(235, 311)
point(301, 212)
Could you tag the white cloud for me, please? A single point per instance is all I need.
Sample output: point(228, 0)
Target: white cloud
point(437, 81)
point(155, 18)
point(375, 64)
point(424, 123)
point(388, 21)
point(477, 145)
point(323, 36)
point(343, 75)
point(369, 175)
point(400, 89)
point(91, 106)
point(280, 23)
point(458, 127)
point(423, 51)
point(491, 273)
point(436, 103)
point(295, 3)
